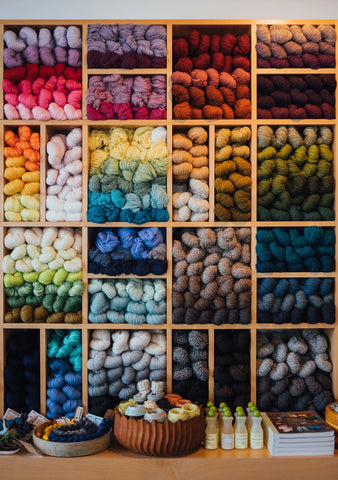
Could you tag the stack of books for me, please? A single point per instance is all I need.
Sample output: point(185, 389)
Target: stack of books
point(297, 433)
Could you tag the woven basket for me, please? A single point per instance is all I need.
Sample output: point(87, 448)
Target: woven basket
point(73, 449)
point(159, 439)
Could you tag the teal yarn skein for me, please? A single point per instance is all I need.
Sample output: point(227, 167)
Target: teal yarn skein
point(134, 301)
point(310, 250)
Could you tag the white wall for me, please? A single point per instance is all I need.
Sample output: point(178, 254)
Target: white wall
point(168, 9)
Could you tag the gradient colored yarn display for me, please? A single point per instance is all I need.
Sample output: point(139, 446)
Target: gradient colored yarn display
point(133, 301)
point(190, 159)
point(190, 364)
point(127, 46)
point(296, 96)
point(119, 360)
point(22, 371)
point(295, 300)
point(293, 371)
point(233, 174)
point(64, 382)
point(22, 174)
point(232, 367)
point(295, 173)
point(124, 98)
point(42, 77)
point(299, 249)
point(211, 76)
point(211, 276)
point(64, 177)
point(128, 175)
point(128, 250)
point(43, 275)
point(295, 46)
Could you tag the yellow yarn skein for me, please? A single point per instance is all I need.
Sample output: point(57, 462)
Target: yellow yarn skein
point(15, 161)
point(12, 173)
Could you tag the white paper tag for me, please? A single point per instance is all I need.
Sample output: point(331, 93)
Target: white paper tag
point(36, 418)
point(62, 420)
point(78, 413)
point(94, 418)
point(10, 414)
point(29, 448)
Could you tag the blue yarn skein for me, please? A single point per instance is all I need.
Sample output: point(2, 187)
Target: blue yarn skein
point(65, 365)
point(311, 249)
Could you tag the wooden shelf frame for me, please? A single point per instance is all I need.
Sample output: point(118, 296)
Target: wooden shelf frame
point(46, 129)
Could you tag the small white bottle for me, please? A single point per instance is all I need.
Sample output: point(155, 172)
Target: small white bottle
point(227, 430)
point(249, 414)
point(211, 431)
point(256, 432)
point(241, 432)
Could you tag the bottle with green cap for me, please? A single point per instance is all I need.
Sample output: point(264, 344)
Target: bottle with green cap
point(211, 430)
point(227, 430)
point(256, 432)
point(241, 432)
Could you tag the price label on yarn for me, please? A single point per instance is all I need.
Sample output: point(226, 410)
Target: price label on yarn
point(63, 420)
point(94, 418)
point(78, 413)
point(10, 414)
point(35, 418)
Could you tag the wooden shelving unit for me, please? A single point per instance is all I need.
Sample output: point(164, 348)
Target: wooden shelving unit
point(174, 28)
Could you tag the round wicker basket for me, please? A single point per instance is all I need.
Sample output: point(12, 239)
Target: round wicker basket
point(159, 439)
point(75, 449)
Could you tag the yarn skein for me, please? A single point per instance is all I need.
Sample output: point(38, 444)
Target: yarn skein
point(42, 77)
point(43, 275)
point(119, 360)
point(232, 174)
point(296, 249)
point(22, 174)
point(211, 77)
point(128, 175)
point(64, 382)
point(191, 175)
point(211, 276)
point(293, 370)
point(126, 46)
point(294, 175)
point(127, 250)
point(297, 46)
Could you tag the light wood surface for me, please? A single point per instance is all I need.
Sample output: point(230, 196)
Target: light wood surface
point(118, 461)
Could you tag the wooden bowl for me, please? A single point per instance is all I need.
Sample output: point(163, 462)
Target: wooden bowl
point(159, 439)
point(75, 449)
